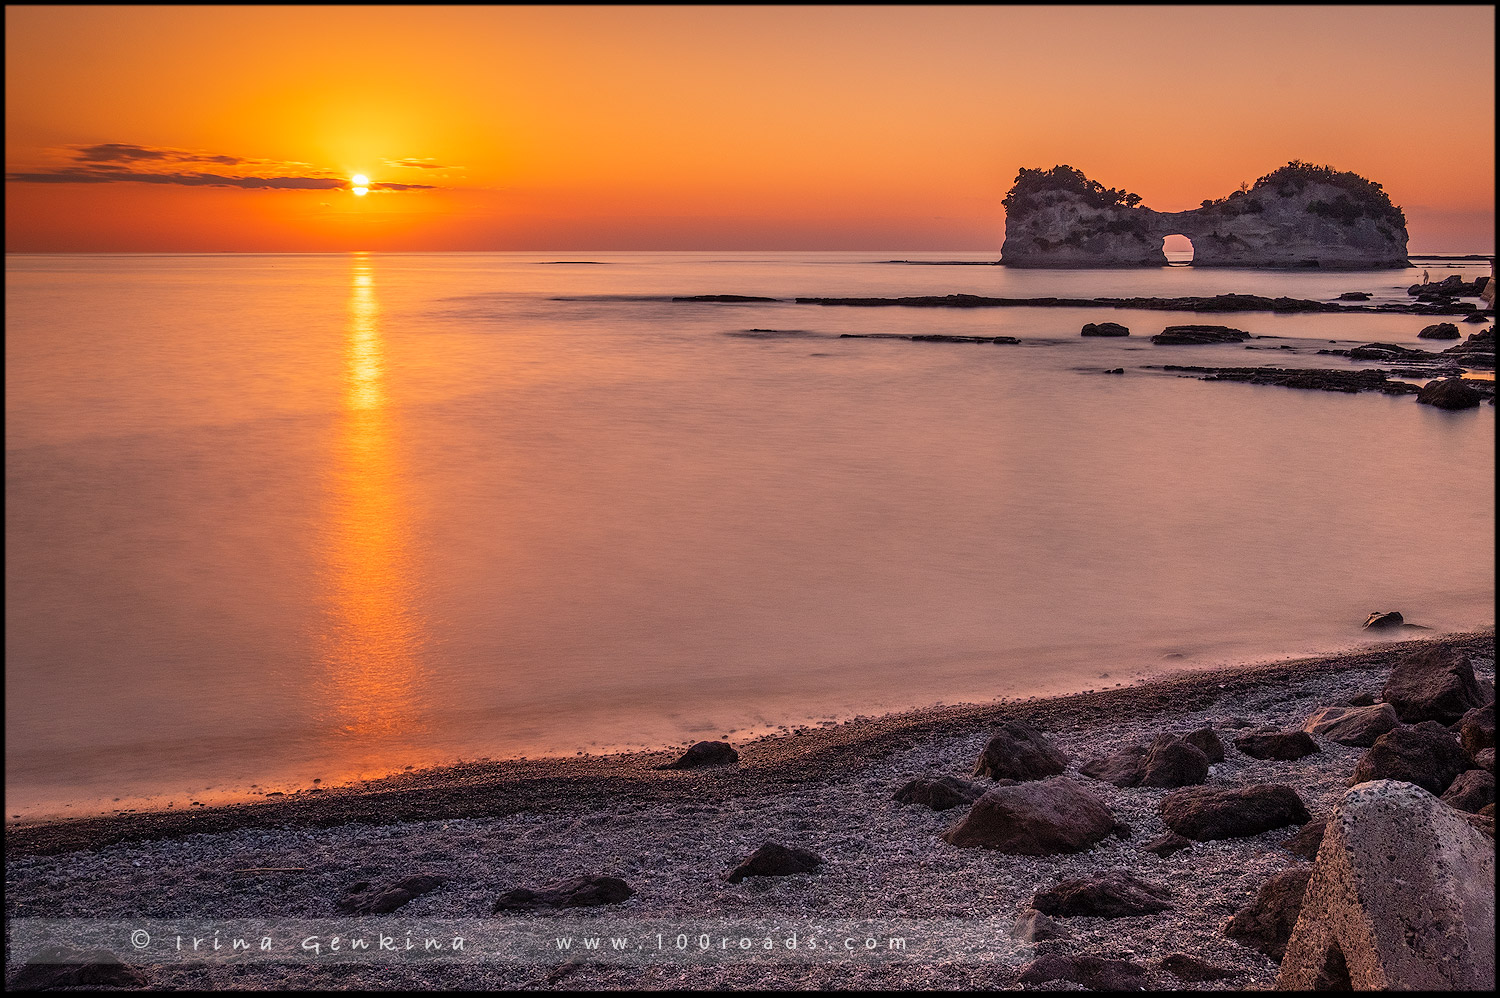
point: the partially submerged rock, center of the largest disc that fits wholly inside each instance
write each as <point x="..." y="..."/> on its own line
<point x="1433" y="685"/>
<point x="1425" y="754"/>
<point x="1019" y="752"/>
<point x="1104" y="329"/>
<point x="1310" y="378"/>
<point x="362" y="899"/>
<point x="1204" y="813"/>
<point x="1357" y="726"/>
<point x="1450" y="393"/>
<point x="1266" y="923"/>
<point x="1402" y="898"/>
<point x="575" y="892"/>
<point x="1380" y="621"/>
<point x="705" y="754"/>
<point x="1281" y="745"/>
<point x="1199" y="334"/>
<point x="1096" y="973"/>
<point x="775" y="860"/>
<point x="1035" y="819"/>
<point x="1439" y="331"/>
<point x="939" y="793"/>
<point x="1115" y="894"/>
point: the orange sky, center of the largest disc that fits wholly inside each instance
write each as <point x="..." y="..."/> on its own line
<point x="580" y="128"/>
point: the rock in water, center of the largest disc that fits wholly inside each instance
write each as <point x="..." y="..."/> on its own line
<point x="1034" y="819"/>
<point x="1019" y="752"/>
<point x="1425" y="754"/>
<point x="705" y="754"/>
<point x="939" y="793"/>
<point x="1104" y="329"/>
<point x="1093" y="972"/>
<point x="1282" y="745"/>
<point x="1199" y="334"/>
<point x="1433" y="685"/>
<point x="1204" y="813"/>
<point x="1379" y="621"/>
<point x="773" y="860"/>
<point x="575" y="892"/>
<point x="1357" y="726"/>
<point x="361" y="900"/>
<point x="1267" y="922"/>
<point x="1439" y="331"/>
<point x="1450" y="393"/>
<point x="1115" y="894"/>
<point x="1402" y="898"/>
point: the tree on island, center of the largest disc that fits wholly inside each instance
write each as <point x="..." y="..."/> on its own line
<point x="1035" y="188"/>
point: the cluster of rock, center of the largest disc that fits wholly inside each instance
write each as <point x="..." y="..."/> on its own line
<point x="1317" y="379"/>
<point x="1452" y="286"/>
<point x="1296" y="216"/>
<point x="1422" y="803"/>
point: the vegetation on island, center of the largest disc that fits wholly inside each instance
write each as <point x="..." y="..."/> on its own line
<point x="1358" y="197"/>
<point x="1040" y="188"/>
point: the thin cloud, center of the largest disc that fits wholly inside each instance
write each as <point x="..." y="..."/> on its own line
<point x="124" y="162"/>
<point x="420" y="164"/>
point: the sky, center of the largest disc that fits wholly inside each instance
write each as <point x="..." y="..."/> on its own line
<point x="228" y="129"/>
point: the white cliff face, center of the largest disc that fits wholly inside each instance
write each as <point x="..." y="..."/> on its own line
<point x="1314" y="225"/>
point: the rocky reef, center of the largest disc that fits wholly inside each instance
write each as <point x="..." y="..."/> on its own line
<point x="1299" y="215"/>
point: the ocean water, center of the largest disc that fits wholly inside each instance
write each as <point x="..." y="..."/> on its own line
<point x="273" y="519"/>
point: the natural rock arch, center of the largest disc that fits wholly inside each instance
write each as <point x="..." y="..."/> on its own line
<point x="1297" y="216"/>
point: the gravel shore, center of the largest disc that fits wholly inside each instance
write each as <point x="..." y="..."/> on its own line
<point x="673" y="835"/>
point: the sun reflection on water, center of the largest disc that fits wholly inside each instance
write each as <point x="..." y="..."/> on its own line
<point x="374" y="670"/>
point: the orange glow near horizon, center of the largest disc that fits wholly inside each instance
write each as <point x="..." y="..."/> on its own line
<point x="511" y="128"/>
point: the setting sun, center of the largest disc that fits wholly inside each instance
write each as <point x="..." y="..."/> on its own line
<point x="361" y="184"/>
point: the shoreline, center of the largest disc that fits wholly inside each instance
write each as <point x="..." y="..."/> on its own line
<point x="508" y="787"/>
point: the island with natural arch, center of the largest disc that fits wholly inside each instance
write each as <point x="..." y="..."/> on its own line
<point x="1299" y="215"/>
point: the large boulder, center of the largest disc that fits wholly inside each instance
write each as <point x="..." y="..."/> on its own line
<point x="1282" y="745"/>
<point x="1115" y="894"/>
<point x="1173" y="762"/>
<point x="1096" y="973"/>
<point x="775" y="860"/>
<point x="1433" y="685"/>
<point x="1476" y="729"/>
<point x="939" y="793"/>
<point x="1357" y="726"/>
<point x="1266" y="923"/>
<point x="1402" y="898"/>
<point x="1206" y="742"/>
<point x="1104" y="329"/>
<point x="1204" y="813"/>
<point x="1019" y="752"/>
<point x="1439" y="331"/>
<point x="1450" y="393"/>
<point x="1425" y="754"/>
<point x="575" y="892"/>
<point x="1034" y="819"/>
<point x="1472" y="791"/>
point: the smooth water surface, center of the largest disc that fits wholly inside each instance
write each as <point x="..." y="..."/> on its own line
<point x="272" y="518"/>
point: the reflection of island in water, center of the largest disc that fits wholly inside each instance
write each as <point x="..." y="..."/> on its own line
<point x="371" y="647"/>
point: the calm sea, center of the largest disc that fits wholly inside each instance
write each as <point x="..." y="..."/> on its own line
<point x="273" y="519"/>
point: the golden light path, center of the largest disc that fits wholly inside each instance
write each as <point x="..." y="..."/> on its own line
<point x="371" y="651"/>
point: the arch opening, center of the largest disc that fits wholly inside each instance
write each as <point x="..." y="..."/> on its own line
<point x="1178" y="250"/>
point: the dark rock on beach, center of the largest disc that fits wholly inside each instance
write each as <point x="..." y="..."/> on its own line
<point x="575" y="892"/>
<point x="1433" y="685"/>
<point x="1476" y="729"/>
<point x="1471" y="791"/>
<point x="705" y="754"/>
<point x="773" y="860"/>
<point x="1284" y="746"/>
<point x="1104" y="329"/>
<point x="1173" y="762"/>
<point x="1357" y="726"/>
<point x="1450" y="393"/>
<point x="66" y="967"/>
<point x="362" y="900"/>
<point x="1122" y="768"/>
<point x="1187" y="968"/>
<point x="1439" y="331"/>
<point x="1425" y="754"/>
<point x="1197" y="334"/>
<point x="1266" y="923"/>
<point x="1093" y="972"/>
<point x="1035" y="819"/>
<point x="1207" y="742"/>
<point x="1306" y="842"/>
<point x="1115" y="894"/>
<point x="1033" y="927"/>
<point x="1019" y="752"/>
<point x="1204" y="813"/>
<point x="1380" y="621"/>
<point x="1166" y="844"/>
<point x="939" y="793"/>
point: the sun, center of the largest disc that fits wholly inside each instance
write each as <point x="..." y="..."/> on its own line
<point x="361" y="184"/>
